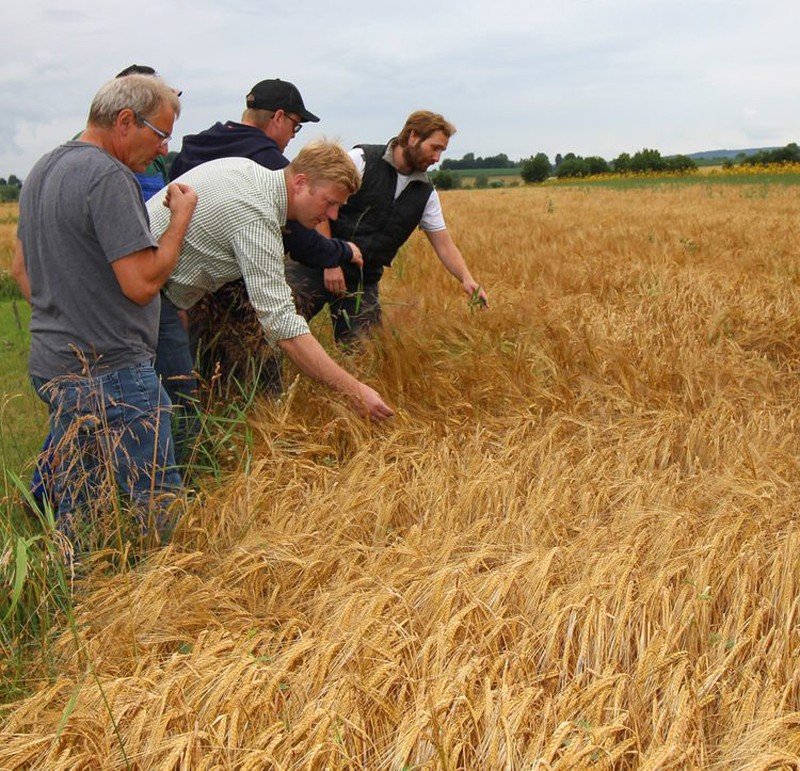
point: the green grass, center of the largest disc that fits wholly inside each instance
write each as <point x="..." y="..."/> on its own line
<point x="633" y="182"/>
<point x="36" y="590"/>
<point x="33" y="588"/>
<point x="40" y="584"/>
<point x="8" y="287"/>
<point x="472" y="173"/>
<point x="23" y="417"/>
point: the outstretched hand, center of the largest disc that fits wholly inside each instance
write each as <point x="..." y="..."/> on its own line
<point x="477" y="294"/>
<point x="368" y="403"/>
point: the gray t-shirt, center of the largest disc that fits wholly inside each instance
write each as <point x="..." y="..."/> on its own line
<point x="80" y="209"/>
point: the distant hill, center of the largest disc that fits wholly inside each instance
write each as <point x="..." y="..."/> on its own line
<point x="707" y="155"/>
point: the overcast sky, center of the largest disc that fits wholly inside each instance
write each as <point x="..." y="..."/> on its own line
<point x="595" y="77"/>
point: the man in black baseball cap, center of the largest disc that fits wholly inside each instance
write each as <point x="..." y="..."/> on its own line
<point x="274" y="113"/>
<point x="279" y="94"/>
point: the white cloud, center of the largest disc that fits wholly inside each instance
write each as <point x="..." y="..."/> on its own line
<point x="591" y="76"/>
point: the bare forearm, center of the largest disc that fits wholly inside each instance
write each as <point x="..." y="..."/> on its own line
<point x="311" y="359"/>
<point x="455" y="263"/>
<point x="450" y="256"/>
<point x="142" y="274"/>
<point x="157" y="270"/>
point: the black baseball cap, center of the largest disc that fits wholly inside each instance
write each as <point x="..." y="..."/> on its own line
<point x="279" y="95"/>
<point x="142" y="69"/>
<point x="136" y="69"/>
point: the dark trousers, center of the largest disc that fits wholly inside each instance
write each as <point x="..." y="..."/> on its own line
<point x="175" y="366"/>
<point x="352" y="314"/>
<point x="232" y="353"/>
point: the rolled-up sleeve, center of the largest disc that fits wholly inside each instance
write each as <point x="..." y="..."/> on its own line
<point x="259" y="251"/>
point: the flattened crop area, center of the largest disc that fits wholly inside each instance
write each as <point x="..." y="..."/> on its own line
<point x="576" y="544"/>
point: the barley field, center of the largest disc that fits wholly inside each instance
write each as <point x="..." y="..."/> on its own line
<point x="8" y="232"/>
<point x="576" y="545"/>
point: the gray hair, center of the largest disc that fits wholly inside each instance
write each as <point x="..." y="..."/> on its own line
<point x="258" y="118"/>
<point x="144" y="94"/>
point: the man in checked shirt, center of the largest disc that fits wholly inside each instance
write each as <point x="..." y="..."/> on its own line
<point x="236" y="232"/>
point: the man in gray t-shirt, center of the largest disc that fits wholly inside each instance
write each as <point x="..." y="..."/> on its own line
<point x="86" y="261"/>
<point x="95" y="215"/>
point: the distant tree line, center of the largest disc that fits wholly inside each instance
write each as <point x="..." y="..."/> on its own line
<point x="469" y="161"/>
<point x="9" y="188"/>
<point x="445" y="180"/>
<point x="538" y="168"/>
<point x="788" y="154"/>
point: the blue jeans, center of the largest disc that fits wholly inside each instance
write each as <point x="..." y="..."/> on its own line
<point x="175" y="366"/>
<point x="106" y="432"/>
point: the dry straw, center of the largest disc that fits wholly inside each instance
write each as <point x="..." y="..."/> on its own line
<point x="575" y="546"/>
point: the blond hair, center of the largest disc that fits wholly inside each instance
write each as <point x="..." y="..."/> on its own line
<point x="143" y="94"/>
<point x="324" y="161"/>
<point x="424" y="123"/>
<point x="256" y="117"/>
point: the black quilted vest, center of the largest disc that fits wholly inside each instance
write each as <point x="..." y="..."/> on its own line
<point x="373" y="220"/>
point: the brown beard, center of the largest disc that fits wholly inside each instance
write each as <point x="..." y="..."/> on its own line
<point x="411" y="158"/>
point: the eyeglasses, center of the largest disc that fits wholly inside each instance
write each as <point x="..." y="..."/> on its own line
<point x="163" y="134"/>
<point x="295" y="123"/>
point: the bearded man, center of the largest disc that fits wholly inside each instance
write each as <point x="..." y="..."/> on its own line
<point x="396" y="197"/>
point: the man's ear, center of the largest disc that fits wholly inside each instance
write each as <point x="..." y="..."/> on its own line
<point x="126" y="120"/>
<point x="299" y="181"/>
